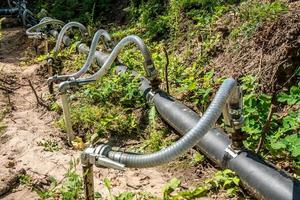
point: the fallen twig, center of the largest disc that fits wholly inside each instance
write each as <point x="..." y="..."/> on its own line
<point x="5" y="89"/>
<point x="166" y="71"/>
<point x="38" y="99"/>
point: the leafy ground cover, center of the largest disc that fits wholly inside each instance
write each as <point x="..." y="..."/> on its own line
<point x="195" y="35"/>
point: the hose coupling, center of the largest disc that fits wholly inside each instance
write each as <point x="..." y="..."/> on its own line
<point x="234" y="120"/>
<point x="230" y="153"/>
<point x="38" y="35"/>
<point x="98" y="156"/>
<point x="237" y="119"/>
<point x="50" y="61"/>
<point x="155" y="83"/>
<point x="109" y="45"/>
<point x="57" y="79"/>
<point x="77" y="45"/>
<point x="68" y="84"/>
<point x="152" y="75"/>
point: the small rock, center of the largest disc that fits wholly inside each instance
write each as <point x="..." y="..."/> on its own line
<point x="10" y="164"/>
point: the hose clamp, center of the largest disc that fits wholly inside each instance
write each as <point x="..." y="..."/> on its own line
<point x="150" y="96"/>
<point x="98" y="156"/>
<point x="50" y="61"/>
<point x="230" y="153"/>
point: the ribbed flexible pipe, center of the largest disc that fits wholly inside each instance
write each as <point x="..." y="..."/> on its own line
<point x="62" y="33"/>
<point x="148" y="63"/>
<point x="8" y="11"/>
<point x="189" y="140"/>
<point x="89" y="59"/>
<point x="30" y="31"/>
<point x="45" y="19"/>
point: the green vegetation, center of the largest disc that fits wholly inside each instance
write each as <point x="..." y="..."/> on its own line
<point x="71" y="187"/>
<point x="282" y="139"/>
<point x="253" y="13"/>
<point x="192" y="32"/>
<point x="67" y="189"/>
<point x="221" y="180"/>
<point x="49" y="145"/>
<point x="26" y="180"/>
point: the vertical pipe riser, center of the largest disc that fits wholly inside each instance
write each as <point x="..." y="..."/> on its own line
<point x="88" y="181"/>
<point x="67" y="117"/>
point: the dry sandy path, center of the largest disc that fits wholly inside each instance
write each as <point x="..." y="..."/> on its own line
<point x="28" y="124"/>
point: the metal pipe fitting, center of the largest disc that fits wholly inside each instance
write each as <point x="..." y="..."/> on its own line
<point x="67" y="117"/>
<point x="92" y="156"/>
<point x="8" y="11"/>
<point x="28" y="18"/>
<point x="63" y="31"/>
<point x="233" y="120"/>
<point x="189" y="140"/>
<point x="63" y="88"/>
<point x="87" y="64"/>
<point x="33" y="33"/>
<point x="149" y="68"/>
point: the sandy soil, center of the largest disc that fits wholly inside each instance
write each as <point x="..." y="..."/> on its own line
<point x="27" y="125"/>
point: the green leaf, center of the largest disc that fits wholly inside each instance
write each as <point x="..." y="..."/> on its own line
<point x="278" y="145"/>
<point x="171" y="186"/>
<point x="231" y="191"/>
<point x="296" y="151"/>
<point x="236" y="180"/>
<point x="107" y="184"/>
<point x="227" y="182"/>
<point x="282" y="97"/>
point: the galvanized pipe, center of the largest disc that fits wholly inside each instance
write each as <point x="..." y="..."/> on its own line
<point x="67" y="117"/>
<point x="35" y="31"/>
<point x="149" y="68"/>
<point x="8" y="11"/>
<point x="63" y="31"/>
<point x="91" y="55"/>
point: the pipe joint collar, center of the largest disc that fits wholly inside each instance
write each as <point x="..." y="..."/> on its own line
<point x="98" y="156"/>
<point x="65" y="86"/>
<point x="150" y="96"/>
<point x="50" y="61"/>
<point x="57" y="79"/>
<point x="230" y="153"/>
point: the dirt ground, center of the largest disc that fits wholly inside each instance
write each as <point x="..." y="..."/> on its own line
<point x="271" y="54"/>
<point x="27" y="124"/>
